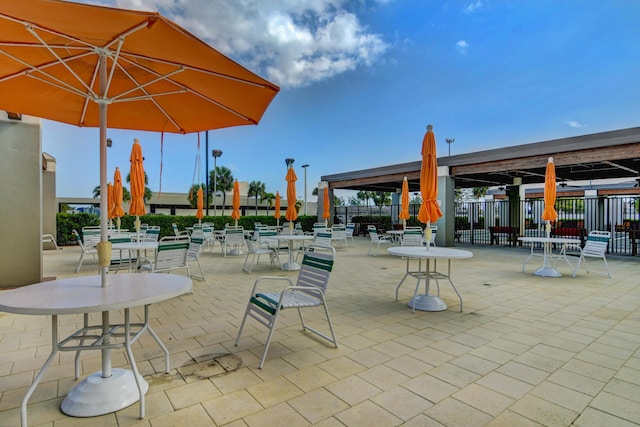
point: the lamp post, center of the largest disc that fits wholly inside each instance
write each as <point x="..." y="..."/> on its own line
<point x="305" y="188"/>
<point x="215" y="154"/>
<point x="449" y="142"/>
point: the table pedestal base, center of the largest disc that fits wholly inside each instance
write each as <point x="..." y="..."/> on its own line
<point x="427" y="303"/>
<point x="96" y="396"/>
<point x="290" y="266"/>
<point x="547" y="272"/>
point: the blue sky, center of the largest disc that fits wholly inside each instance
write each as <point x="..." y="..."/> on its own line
<point x="361" y="79"/>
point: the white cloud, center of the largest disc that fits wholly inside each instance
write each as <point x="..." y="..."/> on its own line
<point x="462" y="47"/>
<point x="290" y="42"/>
<point x="472" y="7"/>
<point x="575" y="124"/>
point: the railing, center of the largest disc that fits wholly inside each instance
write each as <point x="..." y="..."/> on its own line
<point x="620" y="215"/>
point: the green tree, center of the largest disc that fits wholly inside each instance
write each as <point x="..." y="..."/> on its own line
<point x="354" y="201"/>
<point x="192" y="196"/>
<point x="126" y="195"/>
<point x="365" y="196"/>
<point x="223" y="184"/>
<point x="381" y="198"/>
<point x="479" y="192"/>
<point x="315" y="192"/>
<point x="256" y="189"/>
<point x="270" y="198"/>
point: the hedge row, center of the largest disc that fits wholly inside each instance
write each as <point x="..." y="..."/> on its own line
<point x="68" y="222"/>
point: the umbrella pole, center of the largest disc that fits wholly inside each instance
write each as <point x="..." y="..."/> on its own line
<point x="427" y="235"/>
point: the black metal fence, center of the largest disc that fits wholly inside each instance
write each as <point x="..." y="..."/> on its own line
<point x="474" y="220"/>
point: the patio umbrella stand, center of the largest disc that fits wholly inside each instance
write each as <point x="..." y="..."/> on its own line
<point x="549" y="214"/>
<point x="429" y="212"/>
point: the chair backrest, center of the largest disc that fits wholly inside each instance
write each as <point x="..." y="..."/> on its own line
<point x="195" y="244"/>
<point x="339" y="231"/>
<point x="175" y="229"/>
<point x="597" y="243"/>
<point x="412" y="237"/>
<point x="234" y="235"/>
<point x="171" y="252"/>
<point x="316" y="267"/>
<point x="434" y="231"/>
<point x="76" y="235"/>
<point x="91" y="236"/>
<point x="349" y="229"/>
<point x="319" y="227"/>
<point x="119" y="239"/>
<point x="151" y="234"/>
<point x="323" y="238"/>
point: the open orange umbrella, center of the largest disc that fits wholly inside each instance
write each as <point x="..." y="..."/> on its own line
<point x="291" y="214"/>
<point x="235" y="214"/>
<point x="549" y="214"/>
<point x="429" y="209"/>
<point x="404" y="211"/>
<point x="200" y="202"/>
<point x="136" y="180"/>
<point x="277" y="213"/>
<point x="326" y="211"/>
<point x="117" y="211"/>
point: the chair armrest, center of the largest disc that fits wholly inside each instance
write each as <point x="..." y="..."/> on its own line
<point x="269" y="278"/>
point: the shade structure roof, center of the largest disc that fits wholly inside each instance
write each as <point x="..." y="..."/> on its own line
<point x="604" y="155"/>
<point x="51" y="51"/>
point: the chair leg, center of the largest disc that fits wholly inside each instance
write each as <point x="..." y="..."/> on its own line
<point x="80" y="262"/>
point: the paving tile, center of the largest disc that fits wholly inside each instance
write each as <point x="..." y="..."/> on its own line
<point x="281" y="414"/>
<point x="452" y="412"/>
<point x="623" y="408"/>
<point x="430" y="388"/>
<point x="523" y="372"/>
<point x="577" y="382"/>
<point x="317" y="405"/>
<point x="562" y="396"/>
<point x="310" y="378"/>
<point x="353" y="390"/>
<point x="190" y="394"/>
<point x="275" y="391"/>
<point x="506" y="385"/>
<point x="543" y="412"/>
<point x="367" y="413"/>
<point x="594" y="418"/>
<point x="454" y="375"/>
<point x="484" y="399"/>
<point x="401" y="402"/>
<point x="512" y="419"/>
<point x="230" y="407"/>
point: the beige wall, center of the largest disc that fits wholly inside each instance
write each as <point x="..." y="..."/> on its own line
<point x="20" y="202"/>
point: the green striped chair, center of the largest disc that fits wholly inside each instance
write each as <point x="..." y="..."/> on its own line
<point x="595" y="247"/>
<point x="309" y="291"/>
<point x="170" y="255"/>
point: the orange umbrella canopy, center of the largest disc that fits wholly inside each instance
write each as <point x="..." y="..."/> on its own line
<point x="404" y="211"/>
<point x="291" y="214"/>
<point x="429" y="210"/>
<point x="326" y="214"/>
<point x="110" y="199"/>
<point x="235" y="214"/>
<point x="166" y="79"/>
<point x="117" y="211"/>
<point x="277" y="213"/>
<point x="200" y="202"/>
<point x="549" y="213"/>
<point x="136" y="180"/>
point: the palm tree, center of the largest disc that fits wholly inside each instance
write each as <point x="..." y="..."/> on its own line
<point x="365" y="195"/>
<point x="193" y="195"/>
<point x="270" y="198"/>
<point x="224" y="182"/>
<point x="148" y="194"/>
<point x="126" y="195"/>
<point x="256" y="189"/>
<point x="381" y="198"/>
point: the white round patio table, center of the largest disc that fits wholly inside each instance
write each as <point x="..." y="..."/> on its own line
<point x="547" y="269"/>
<point x="427" y="301"/>
<point x="291" y="265"/>
<point x="110" y="389"/>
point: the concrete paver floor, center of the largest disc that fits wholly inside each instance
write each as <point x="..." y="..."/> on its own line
<point x="526" y="351"/>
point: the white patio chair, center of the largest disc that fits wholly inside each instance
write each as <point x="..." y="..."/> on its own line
<point x="177" y="232"/>
<point x="266" y="304"/>
<point x="377" y="240"/>
<point x="349" y="230"/>
<point x="170" y="255"/>
<point x="595" y="247"/>
<point x="339" y="235"/>
<point x="196" y="244"/>
<point x="86" y="249"/>
<point x="255" y="248"/>
<point x="48" y="238"/>
<point x="120" y="259"/>
<point x="412" y="237"/>
<point x="434" y="231"/>
<point x="233" y="241"/>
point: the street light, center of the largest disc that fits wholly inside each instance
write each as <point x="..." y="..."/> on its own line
<point x="449" y="142"/>
<point x="215" y="154"/>
<point x="305" y="188"/>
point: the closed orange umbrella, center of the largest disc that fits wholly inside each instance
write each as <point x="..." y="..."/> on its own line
<point x="117" y="211"/>
<point x="404" y="212"/>
<point x="291" y="214"/>
<point x="549" y="214"/>
<point x="236" y="202"/>
<point x="429" y="209"/>
<point x="110" y="200"/>
<point x="136" y="180"/>
<point x="326" y="213"/>
<point x="200" y="201"/>
<point x="277" y="213"/>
